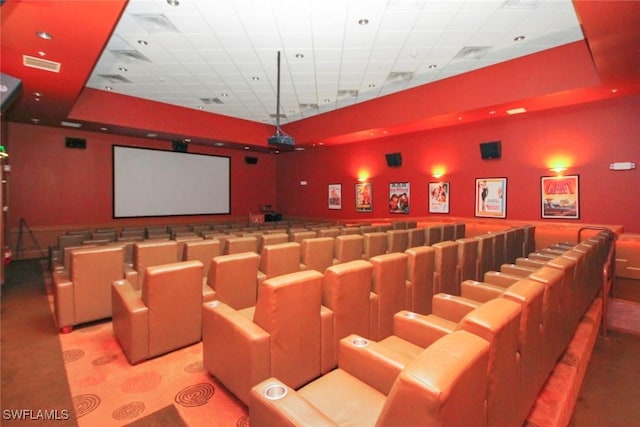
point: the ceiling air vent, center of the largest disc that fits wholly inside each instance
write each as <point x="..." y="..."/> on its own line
<point x="472" y="52"/>
<point x="399" y="76"/>
<point x="347" y="93"/>
<point x="209" y="101"/>
<point x="40" y="64"/>
<point x="129" y="55"/>
<point x="155" y="23"/>
<point x="304" y="107"/>
<point x="114" y="78"/>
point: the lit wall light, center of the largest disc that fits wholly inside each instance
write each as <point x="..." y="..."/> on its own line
<point x="438" y="172"/>
<point x="363" y="176"/>
<point x="558" y="170"/>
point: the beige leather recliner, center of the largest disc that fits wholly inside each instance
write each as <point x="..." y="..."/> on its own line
<point x="82" y="293"/>
<point x="166" y="314"/>
<point x="316" y="253"/>
<point x="443" y="386"/>
<point x="235" y="278"/>
<point x="280" y="336"/>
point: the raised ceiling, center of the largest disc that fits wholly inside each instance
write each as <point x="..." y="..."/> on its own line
<point x="338" y="56"/>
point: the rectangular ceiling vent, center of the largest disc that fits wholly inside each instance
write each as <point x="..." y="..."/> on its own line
<point x="114" y="78"/>
<point x="399" y="76"/>
<point x="155" y="23"/>
<point x="472" y="52"/>
<point x="209" y="101"/>
<point x="347" y="94"/>
<point x="304" y="107"/>
<point x="41" y="64"/>
<point x="129" y="55"/>
<point x="274" y="115"/>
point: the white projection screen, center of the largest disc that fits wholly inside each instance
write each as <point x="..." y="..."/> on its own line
<point x="149" y="182"/>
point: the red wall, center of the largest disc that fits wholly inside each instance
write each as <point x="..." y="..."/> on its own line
<point x="51" y="185"/>
<point x="588" y="137"/>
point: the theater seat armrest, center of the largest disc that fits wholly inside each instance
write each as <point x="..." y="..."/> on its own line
<point x="327" y="346"/>
<point x="480" y="291"/>
<point x="261" y="277"/>
<point x="63" y="299"/>
<point x="370" y="362"/>
<point x="130" y="320"/>
<point x="131" y="275"/>
<point x="452" y="307"/>
<point x="268" y="408"/>
<point x="419" y="329"/>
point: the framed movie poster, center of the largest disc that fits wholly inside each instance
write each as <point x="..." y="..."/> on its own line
<point x="399" y="197"/>
<point x="363" y="197"/>
<point x="439" y="197"/>
<point x="335" y="196"/>
<point x="560" y="197"/>
<point x="491" y="197"/>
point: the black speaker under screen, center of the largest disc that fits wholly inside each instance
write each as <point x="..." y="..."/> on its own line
<point x="251" y="160"/>
<point x="179" y="146"/>
<point x="394" y="160"/>
<point x="490" y="150"/>
<point x="75" y="143"/>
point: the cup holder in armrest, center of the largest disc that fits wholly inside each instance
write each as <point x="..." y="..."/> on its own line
<point x="213" y="304"/>
<point x="360" y="342"/>
<point x="275" y="391"/>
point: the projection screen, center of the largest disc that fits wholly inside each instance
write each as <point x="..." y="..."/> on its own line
<point x="149" y="182"/>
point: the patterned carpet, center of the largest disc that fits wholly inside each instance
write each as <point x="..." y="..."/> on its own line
<point x="108" y="391"/>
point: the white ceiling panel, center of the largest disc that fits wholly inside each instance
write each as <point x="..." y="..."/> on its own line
<point x="205" y="49"/>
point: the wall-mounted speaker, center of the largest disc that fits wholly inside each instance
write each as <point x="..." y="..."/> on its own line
<point x="490" y="150"/>
<point x="394" y="160"/>
<point x="75" y="143"/>
<point x="250" y="160"/>
<point x="179" y="146"/>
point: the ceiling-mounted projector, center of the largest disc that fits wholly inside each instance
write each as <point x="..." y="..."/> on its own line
<point x="279" y="138"/>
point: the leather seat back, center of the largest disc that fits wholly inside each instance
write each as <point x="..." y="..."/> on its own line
<point x="288" y="308"/>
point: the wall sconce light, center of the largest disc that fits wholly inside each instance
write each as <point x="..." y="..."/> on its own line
<point x="559" y="170"/>
<point x="438" y="172"/>
<point x="622" y="166"/>
<point x="363" y="176"/>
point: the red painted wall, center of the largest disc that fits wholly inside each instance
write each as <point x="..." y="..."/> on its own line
<point x="51" y="185"/>
<point x="587" y="137"/>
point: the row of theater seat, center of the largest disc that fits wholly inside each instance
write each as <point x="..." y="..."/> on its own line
<point x="450" y="262"/>
<point x="394" y="380"/>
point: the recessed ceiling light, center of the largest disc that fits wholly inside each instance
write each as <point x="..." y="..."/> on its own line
<point x="124" y="70"/>
<point x="44" y="35"/>
<point x="363" y="21"/>
<point x="246" y="148"/>
<point x="224" y="95"/>
<point x="372" y="85"/>
<point x="299" y="55"/>
<point x="327" y="100"/>
<point x="255" y="78"/>
<point x="143" y="42"/>
<point x="432" y="66"/>
<point x="518" y="39"/>
<point x="218" y="144"/>
<point x="103" y="129"/>
<point x="519" y="110"/>
<point x="108" y="88"/>
<point x="173" y="2"/>
<point x="152" y="135"/>
<point x="71" y="124"/>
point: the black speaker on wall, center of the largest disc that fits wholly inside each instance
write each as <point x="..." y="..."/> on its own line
<point x="394" y="160"/>
<point x="75" y="143"/>
<point x="490" y="150"/>
<point x="251" y="160"/>
<point x="179" y="146"/>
